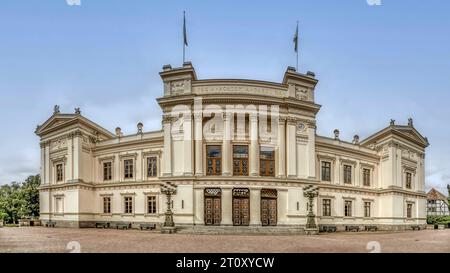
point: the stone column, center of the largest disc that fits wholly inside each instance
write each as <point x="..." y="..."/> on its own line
<point x="227" y="207"/>
<point x="198" y="144"/>
<point x="255" y="207"/>
<point x="77" y="150"/>
<point x="311" y="150"/>
<point x="281" y="156"/>
<point x="44" y="163"/>
<point x="291" y="148"/>
<point x="226" y="145"/>
<point x="167" y="157"/>
<point x="338" y="175"/>
<point x="187" y="131"/>
<point x="199" y="218"/>
<point x="254" y="149"/>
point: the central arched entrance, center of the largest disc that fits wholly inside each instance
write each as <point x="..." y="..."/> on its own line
<point x="241" y="207"/>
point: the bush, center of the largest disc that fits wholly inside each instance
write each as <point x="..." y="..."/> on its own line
<point x="438" y="220"/>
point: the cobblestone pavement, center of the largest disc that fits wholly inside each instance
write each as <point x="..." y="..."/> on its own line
<point x="39" y="239"/>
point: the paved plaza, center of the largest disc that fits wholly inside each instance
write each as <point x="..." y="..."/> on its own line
<point x="40" y="239"/>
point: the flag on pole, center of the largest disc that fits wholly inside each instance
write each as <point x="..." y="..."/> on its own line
<point x="296" y="39"/>
<point x="184" y="29"/>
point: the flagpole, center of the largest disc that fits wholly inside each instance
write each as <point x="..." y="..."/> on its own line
<point x="297" y="47"/>
<point x="184" y="37"/>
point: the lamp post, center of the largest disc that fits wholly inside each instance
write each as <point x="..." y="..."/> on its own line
<point x="310" y="192"/>
<point x="169" y="226"/>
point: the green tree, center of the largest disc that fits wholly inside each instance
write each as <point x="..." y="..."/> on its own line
<point x="20" y="200"/>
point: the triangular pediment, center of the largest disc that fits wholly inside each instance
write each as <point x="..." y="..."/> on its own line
<point x="406" y="132"/>
<point x="61" y="121"/>
<point x="53" y="122"/>
<point x="412" y="133"/>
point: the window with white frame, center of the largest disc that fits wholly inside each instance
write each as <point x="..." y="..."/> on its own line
<point x="326" y="207"/>
<point x="326" y="171"/>
<point x="151" y="204"/>
<point x="366" y="177"/>
<point x="59" y="172"/>
<point x="347" y="174"/>
<point x="128" y="204"/>
<point x="409" y="208"/>
<point x="408" y="180"/>
<point x="128" y="168"/>
<point x="107" y="205"/>
<point x="107" y="171"/>
<point x="152" y="166"/>
<point x="59" y="205"/>
<point x="367" y="207"/>
<point x="347" y="208"/>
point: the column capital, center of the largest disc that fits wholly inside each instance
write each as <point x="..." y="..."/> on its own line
<point x="166" y="118"/>
<point x="292" y="120"/>
<point x="198" y="116"/>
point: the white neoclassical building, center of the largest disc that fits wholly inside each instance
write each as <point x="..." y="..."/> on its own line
<point x="240" y="153"/>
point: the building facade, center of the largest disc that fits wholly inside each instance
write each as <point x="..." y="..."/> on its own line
<point x="437" y="204"/>
<point x="240" y="153"/>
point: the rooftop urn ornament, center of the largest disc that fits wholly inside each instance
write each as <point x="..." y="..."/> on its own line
<point x="310" y="192"/>
<point x="139" y="127"/>
<point x="118" y="132"/>
<point x="56" y="110"/>
<point x="168" y="189"/>
<point x="77" y="111"/>
<point x="336" y="134"/>
<point x="410" y="122"/>
<point x="392" y="123"/>
<point x="356" y="139"/>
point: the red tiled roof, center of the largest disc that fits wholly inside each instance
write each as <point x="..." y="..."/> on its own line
<point x="433" y="194"/>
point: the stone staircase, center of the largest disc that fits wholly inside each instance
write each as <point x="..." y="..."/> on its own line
<point x="241" y="230"/>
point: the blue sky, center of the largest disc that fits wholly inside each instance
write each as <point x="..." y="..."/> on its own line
<point x="374" y="63"/>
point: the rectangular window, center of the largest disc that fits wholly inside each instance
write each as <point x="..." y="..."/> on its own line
<point x="152" y="167"/>
<point x="128" y="204"/>
<point x="409" y="210"/>
<point x="348" y="209"/>
<point x="240" y="160"/>
<point x="326" y="171"/>
<point x="214" y="159"/>
<point x="408" y="180"/>
<point x="59" y="173"/>
<point x="107" y="205"/>
<point x="59" y="205"/>
<point x="366" y="209"/>
<point x="326" y="207"/>
<point x="107" y="171"/>
<point x="347" y="174"/>
<point x="128" y="168"/>
<point x="267" y="161"/>
<point x="151" y="204"/>
<point x="366" y="177"/>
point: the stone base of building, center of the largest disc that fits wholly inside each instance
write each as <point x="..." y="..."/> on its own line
<point x="230" y="230"/>
<point x="168" y="230"/>
<point x="362" y="227"/>
<point x="311" y="231"/>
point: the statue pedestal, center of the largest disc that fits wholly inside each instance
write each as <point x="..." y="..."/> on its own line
<point x="168" y="230"/>
<point x="311" y="231"/>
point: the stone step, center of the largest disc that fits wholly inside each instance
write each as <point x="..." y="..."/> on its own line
<point x="235" y="230"/>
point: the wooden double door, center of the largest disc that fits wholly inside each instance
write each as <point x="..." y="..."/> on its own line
<point x="269" y="207"/>
<point x="213" y="207"/>
<point x="241" y="207"/>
